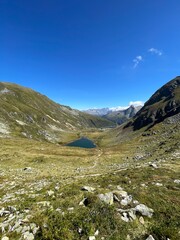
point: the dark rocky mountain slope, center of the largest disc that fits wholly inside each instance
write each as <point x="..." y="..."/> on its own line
<point x="165" y="102"/>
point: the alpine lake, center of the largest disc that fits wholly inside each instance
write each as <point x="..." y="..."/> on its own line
<point x="83" y="142"/>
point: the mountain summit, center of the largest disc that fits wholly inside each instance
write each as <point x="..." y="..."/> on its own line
<point x="117" y="115"/>
<point x="165" y="102"/>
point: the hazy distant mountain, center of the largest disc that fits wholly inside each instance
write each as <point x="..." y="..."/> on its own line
<point x="116" y="114"/>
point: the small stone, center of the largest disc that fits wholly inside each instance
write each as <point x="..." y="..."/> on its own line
<point x="88" y="189"/>
<point x="96" y="233"/>
<point x="70" y="209"/>
<point x="141" y="220"/>
<point x="50" y="193"/>
<point x="4" y="238"/>
<point x="27" y="169"/>
<point x="80" y="230"/>
<point x="177" y="181"/>
<point x="92" y="238"/>
<point x="57" y="188"/>
<point x="128" y="237"/>
<point x="28" y="236"/>
<point x="84" y="202"/>
<point x="150" y="238"/>
<point x="159" y="184"/>
<point x="153" y="165"/>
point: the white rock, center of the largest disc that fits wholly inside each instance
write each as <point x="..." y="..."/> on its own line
<point x="153" y="165"/>
<point x="96" y="233"/>
<point x="50" y="193"/>
<point x="150" y="238"/>
<point x="141" y="220"/>
<point x="92" y="238"/>
<point x="124" y="217"/>
<point x="28" y="236"/>
<point x="177" y="181"/>
<point x="126" y="200"/>
<point x="144" y="210"/>
<point x="5" y="238"/>
<point x="107" y="198"/>
<point x="159" y="184"/>
<point x="87" y="188"/>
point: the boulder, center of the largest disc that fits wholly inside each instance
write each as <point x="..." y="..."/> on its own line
<point x="144" y="210"/>
<point x="107" y="198"/>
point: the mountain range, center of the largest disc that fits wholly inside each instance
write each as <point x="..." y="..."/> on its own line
<point x="117" y="115"/>
<point x="29" y="114"/>
<point x="126" y="187"/>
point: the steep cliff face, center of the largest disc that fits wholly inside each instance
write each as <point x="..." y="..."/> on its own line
<point x="165" y="102"/>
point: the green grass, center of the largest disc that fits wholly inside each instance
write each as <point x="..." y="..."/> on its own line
<point x="65" y="170"/>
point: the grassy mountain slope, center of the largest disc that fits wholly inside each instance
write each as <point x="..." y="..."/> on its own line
<point x="41" y="185"/>
<point x="164" y="103"/>
<point x="25" y="112"/>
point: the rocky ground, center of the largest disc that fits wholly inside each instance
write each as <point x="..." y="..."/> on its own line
<point x="126" y="192"/>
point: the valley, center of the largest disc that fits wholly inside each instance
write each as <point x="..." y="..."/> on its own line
<point x="126" y="188"/>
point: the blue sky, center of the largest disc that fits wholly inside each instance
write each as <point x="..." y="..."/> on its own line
<point x="90" y="53"/>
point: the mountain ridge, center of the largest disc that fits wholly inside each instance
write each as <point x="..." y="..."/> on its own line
<point x="117" y="115"/>
<point x="25" y="112"/>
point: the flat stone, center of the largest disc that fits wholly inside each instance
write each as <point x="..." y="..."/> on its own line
<point x="144" y="210"/>
<point x="153" y="165"/>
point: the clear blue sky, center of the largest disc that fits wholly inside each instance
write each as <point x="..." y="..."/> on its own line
<point x="90" y="53"/>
